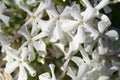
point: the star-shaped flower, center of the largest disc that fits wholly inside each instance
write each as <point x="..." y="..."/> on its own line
<point x="18" y="60"/>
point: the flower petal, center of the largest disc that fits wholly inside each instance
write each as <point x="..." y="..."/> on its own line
<point x="102" y="47"/>
<point x="102" y="4"/>
<point x="30" y="69"/>
<point x="25" y="8"/>
<point x="65" y="12"/>
<point x="89" y="14"/>
<point x="87" y="3"/>
<point x="45" y="76"/>
<point x="40" y="8"/>
<point x="69" y="25"/>
<point x="3" y="38"/>
<point x="52" y="67"/>
<point x="89" y="44"/>
<point x="83" y="68"/>
<point x="31" y="53"/>
<point x="57" y="33"/>
<point x="24" y="53"/>
<point x="80" y="36"/>
<point x="22" y="73"/>
<point x="23" y="31"/>
<point x="77" y="60"/>
<point x="2" y="6"/>
<point x="112" y="34"/>
<point x="71" y="73"/>
<point x="75" y="12"/>
<point x="5" y="19"/>
<point x="40" y="47"/>
<point x="11" y="66"/>
<point x="102" y="26"/>
<point x="94" y="32"/>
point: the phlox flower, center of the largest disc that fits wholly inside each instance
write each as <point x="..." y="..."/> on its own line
<point x="32" y="43"/>
<point x="19" y="60"/>
<point x="35" y="15"/>
<point x="46" y="75"/>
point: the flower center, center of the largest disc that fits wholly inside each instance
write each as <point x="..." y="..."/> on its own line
<point x="81" y="23"/>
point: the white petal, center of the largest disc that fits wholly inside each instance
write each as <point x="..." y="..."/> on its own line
<point x="5" y="19"/>
<point x="40" y="47"/>
<point x="105" y="18"/>
<point x="22" y="73"/>
<point x="65" y="65"/>
<point x="45" y="76"/>
<point x="52" y="13"/>
<point x="107" y="9"/>
<point x="80" y="36"/>
<point x="48" y="4"/>
<point x="94" y="32"/>
<point x="87" y="3"/>
<point x="61" y="47"/>
<point x="102" y="26"/>
<point x="71" y="73"/>
<point x="84" y="54"/>
<point x="102" y="4"/>
<point x="69" y="25"/>
<point x="89" y="14"/>
<point x="31" y="2"/>
<point x="25" y="8"/>
<point x="24" y="53"/>
<point x="34" y="27"/>
<point x="2" y="6"/>
<point x="65" y="12"/>
<point x="82" y="70"/>
<point x="30" y="69"/>
<point x="23" y="31"/>
<point x="3" y="38"/>
<point x="10" y="67"/>
<point x="52" y="67"/>
<point x="112" y="34"/>
<point x="40" y="35"/>
<point x="40" y="8"/>
<point x="31" y="53"/>
<point x="57" y="33"/>
<point x="102" y="47"/>
<point x="46" y="26"/>
<point x="77" y="60"/>
<point x="12" y="54"/>
<point x="103" y="78"/>
<point x="89" y="44"/>
<point x="75" y="12"/>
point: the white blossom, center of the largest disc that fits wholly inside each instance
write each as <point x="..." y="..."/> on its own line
<point x="19" y="61"/>
<point x="32" y="43"/>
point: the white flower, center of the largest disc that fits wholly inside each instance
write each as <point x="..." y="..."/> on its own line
<point x="103" y="44"/>
<point x="3" y="17"/>
<point x="33" y="43"/>
<point x="19" y="60"/>
<point x="82" y="69"/>
<point x="46" y="76"/>
<point x="36" y="15"/>
<point x="103" y="38"/>
<point x="53" y="28"/>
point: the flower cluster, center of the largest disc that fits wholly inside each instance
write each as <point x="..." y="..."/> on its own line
<point x="79" y="35"/>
